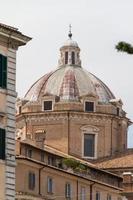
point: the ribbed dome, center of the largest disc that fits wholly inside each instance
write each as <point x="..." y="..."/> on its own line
<point x="69" y="83"/>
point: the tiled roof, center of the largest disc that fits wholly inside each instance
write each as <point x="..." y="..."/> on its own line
<point x="125" y="161"/>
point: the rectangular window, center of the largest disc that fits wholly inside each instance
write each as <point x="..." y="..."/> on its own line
<point x="97" y="195"/>
<point x="47" y="105"/>
<point x="109" y="197"/>
<point x="89" y="145"/>
<point x="42" y="156"/>
<point x="3" y="71"/>
<point x="66" y="57"/>
<point x="89" y="106"/>
<point x="31" y="181"/>
<point x="68" y="190"/>
<point x="50" y="185"/>
<point x="29" y="153"/>
<point x="2" y="143"/>
<point x="82" y="193"/>
<point x="51" y="160"/>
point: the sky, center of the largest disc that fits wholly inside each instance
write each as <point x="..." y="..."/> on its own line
<point x="97" y="26"/>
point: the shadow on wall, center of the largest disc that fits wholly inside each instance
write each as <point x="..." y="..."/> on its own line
<point x="130" y="137"/>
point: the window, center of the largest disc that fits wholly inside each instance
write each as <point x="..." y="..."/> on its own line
<point x="50" y="185"/>
<point x="109" y="197"/>
<point x="2" y="143"/>
<point x="82" y="193"/>
<point x="29" y="153"/>
<point x="66" y="57"/>
<point x="31" y="181"/>
<point x="89" y="145"/>
<point x="118" y="111"/>
<point x="51" y="160"/>
<point x="47" y="105"/>
<point x="97" y="195"/>
<point x="68" y="190"/>
<point x="42" y="156"/>
<point x="89" y="106"/>
<point x="73" y="57"/>
<point x="3" y="71"/>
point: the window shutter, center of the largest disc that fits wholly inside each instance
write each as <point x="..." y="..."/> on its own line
<point x="3" y="71"/>
<point x="2" y="144"/>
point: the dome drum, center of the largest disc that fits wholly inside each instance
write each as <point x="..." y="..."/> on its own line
<point x="86" y="104"/>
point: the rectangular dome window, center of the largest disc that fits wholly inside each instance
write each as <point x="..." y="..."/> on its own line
<point x="47" y="105"/>
<point x="89" y="106"/>
<point x="89" y="145"/>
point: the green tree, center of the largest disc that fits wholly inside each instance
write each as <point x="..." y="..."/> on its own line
<point x="124" y="47"/>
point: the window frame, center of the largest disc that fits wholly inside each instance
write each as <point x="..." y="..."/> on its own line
<point x="68" y="190"/>
<point x="99" y="195"/>
<point x="95" y="145"/>
<point x="43" y="105"/>
<point x="42" y="156"/>
<point x="109" y="197"/>
<point x="82" y="194"/>
<point x="94" y="106"/>
<point x="31" y="181"/>
<point x="50" y="187"/>
<point x="29" y="152"/>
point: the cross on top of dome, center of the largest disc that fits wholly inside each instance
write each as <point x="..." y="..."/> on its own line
<point x="70" y="33"/>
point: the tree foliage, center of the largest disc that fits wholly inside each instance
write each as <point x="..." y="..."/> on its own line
<point x="124" y="47"/>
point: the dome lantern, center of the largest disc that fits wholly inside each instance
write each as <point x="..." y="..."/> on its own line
<point x="70" y="52"/>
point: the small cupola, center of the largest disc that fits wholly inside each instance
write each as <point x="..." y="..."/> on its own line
<point x="70" y="52"/>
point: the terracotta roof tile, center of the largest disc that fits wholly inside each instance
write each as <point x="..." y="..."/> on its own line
<point x="125" y="161"/>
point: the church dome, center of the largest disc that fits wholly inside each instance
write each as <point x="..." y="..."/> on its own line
<point x="69" y="81"/>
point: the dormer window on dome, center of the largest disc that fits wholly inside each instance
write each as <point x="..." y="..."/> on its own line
<point x="47" y="105"/>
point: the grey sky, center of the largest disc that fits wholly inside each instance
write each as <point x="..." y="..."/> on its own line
<point x="97" y="25"/>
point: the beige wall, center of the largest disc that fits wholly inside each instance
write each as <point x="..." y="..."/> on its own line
<point x="60" y="178"/>
<point x="2" y="180"/>
<point x="64" y="131"/>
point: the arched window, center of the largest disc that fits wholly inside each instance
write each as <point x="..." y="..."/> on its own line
<point x="73" y="57"/>
<point x="66" y="57"/>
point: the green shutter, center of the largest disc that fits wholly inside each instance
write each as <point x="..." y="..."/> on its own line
<point x="2" y="144"/>
<point x="3" y="71"/>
